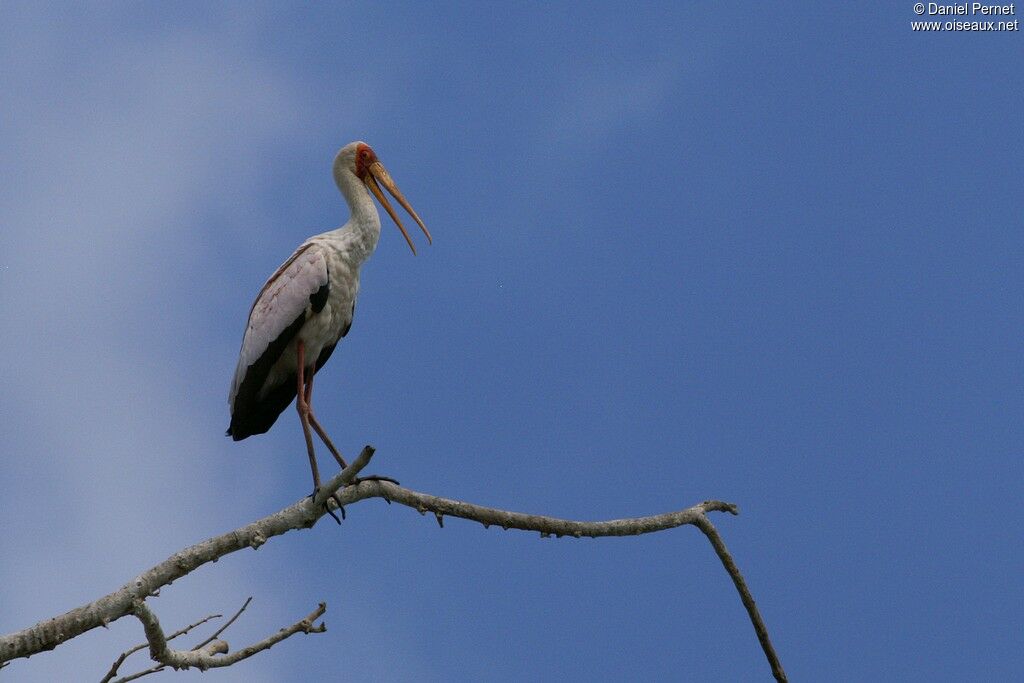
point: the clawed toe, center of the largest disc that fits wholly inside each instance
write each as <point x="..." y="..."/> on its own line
<point x="334" y="497"/>
<point x="376" y="477"/>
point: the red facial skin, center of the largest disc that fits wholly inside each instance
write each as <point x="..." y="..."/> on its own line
<point x="364" y="157"/>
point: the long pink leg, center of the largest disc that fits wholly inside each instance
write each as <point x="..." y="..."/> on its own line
<point x="318" y="428"/>
<point x="302" y="405"/>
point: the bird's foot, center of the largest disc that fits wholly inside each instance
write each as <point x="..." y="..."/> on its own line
<point x="334" y="497"/>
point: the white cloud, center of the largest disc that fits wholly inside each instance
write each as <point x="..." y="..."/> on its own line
<point x="108" y="147"/>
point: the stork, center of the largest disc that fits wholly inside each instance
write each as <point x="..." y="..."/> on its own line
<point x="306" y="307"/>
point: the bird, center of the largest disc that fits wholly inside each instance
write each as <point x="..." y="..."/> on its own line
<point x="307" y="305"/>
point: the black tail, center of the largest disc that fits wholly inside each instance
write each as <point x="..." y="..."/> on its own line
<point x="258" y="416"/>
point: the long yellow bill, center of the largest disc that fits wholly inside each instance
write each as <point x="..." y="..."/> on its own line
<point x="378" y="173"/>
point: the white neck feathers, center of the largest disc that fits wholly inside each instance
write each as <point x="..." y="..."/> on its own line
<point x="360" y="235"/>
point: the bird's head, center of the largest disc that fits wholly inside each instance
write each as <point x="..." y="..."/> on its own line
<point x="359" y="160"/>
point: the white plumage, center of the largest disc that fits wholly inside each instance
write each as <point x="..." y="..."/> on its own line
<point x="306" y="306"/>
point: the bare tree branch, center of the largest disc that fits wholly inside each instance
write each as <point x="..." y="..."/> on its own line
<point x="547" y="526"/>
<point x="705" y="525"/>
<point x="303" y="514"/>
<point x="343" y="489"/>
<point x="215" y="653"/>
<point x="345" y="477"/>
<point x="180" y="632"/>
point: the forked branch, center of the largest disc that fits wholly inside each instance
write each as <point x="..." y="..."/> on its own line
<point x="215" y="652"/>
<point x="127" y="653"/>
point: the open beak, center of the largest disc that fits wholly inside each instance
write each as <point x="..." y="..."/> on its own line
<point x="376" y="174"/>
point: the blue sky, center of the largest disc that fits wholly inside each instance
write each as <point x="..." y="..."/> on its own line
<point x="768" y="254"/>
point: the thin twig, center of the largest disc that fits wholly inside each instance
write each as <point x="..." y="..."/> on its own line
<point x="139" y="674"/>
<point x="225" y="626"/>
<point x="705" y="525"/>
<point x="118" y="662"/>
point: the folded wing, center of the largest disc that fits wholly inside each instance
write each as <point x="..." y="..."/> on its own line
<point x="298" y="290"/>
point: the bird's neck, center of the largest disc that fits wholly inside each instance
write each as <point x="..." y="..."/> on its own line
<point x="362" y="232"/>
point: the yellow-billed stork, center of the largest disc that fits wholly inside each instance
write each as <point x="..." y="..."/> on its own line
<point x="307" y="305"/>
